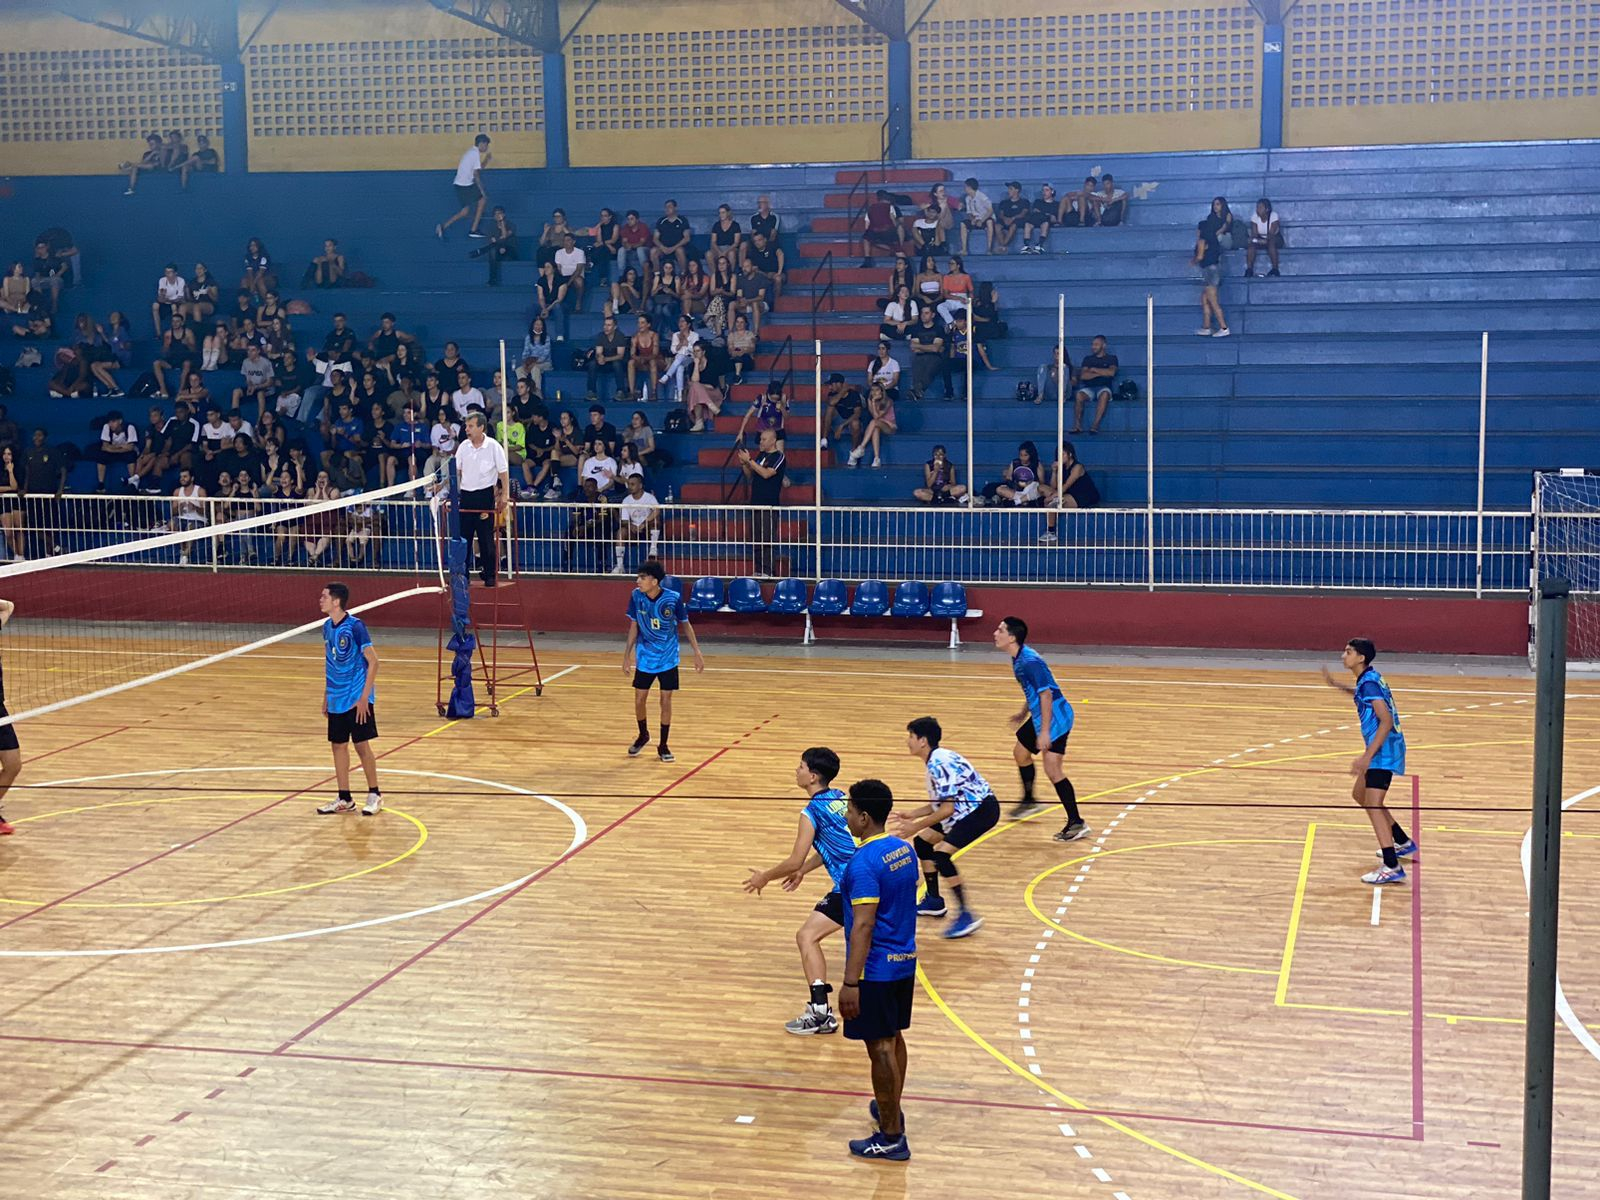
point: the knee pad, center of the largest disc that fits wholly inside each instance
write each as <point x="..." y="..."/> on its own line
<point x="944" y="864"/>
<point x="925" y="850"/>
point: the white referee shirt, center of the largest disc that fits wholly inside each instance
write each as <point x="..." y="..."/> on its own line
<point x="480" y="467"/>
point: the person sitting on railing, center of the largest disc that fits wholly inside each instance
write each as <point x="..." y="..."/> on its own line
<point x="1010" y="216"/>
<point x="882" y="227"/>
<point x="939" y="484"/>
<point x="701" y="395"/>
<point x="750" y="295"/>
<point x="768" y="259"/>
<point x="741" y="349"/>
<point x="1080" y="490"/>
<point x="898" y="316"/>
<point x="883" y="368"/>
<point x="1020" y="481"/>
<point x="1097" y="375"/>
<point x="880" y="423"/>
<point x="1042" y="214"/>
<point x="841" y="413"/>
<point x="927" y="353"/>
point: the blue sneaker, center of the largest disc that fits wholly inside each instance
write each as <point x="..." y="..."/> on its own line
<point x="965" y="925"/>
<point x="932" y="906"/>
<point x="880" y="1145"/>
<point x="1403" y="849"/>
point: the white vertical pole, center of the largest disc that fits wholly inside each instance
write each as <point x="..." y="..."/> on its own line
<point x="1483" y="432"/>
<point x="511" y="508"/>
<point x="1061" y="393"/>
<point x="817" y="472"/>
<point x="1150" y="437"/>
<point x="971" y="353"/>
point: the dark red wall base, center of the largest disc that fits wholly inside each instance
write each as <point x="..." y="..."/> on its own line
<point x="1057" y="616"/>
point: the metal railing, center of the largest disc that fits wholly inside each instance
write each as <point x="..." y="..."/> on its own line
<point x="1295" y="549"/>
<point x="853" y="215"/>
<point x="884" y="138"/>
<point x="825" y="294"/>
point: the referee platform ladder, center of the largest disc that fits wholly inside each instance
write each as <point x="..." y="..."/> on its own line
<point x="506" y="660"/>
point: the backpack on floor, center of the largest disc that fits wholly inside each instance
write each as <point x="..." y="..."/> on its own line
<point x="1027" y="392"/>
<point x="678" y="421"/>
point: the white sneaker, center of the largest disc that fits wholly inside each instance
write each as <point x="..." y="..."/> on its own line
<point x="1206" y="332"/>
<point x="855" y="457"/>
<point x="698" y="427"/>
<point x="1223" y="332"/>
<point x="876" y="461"/>
<point x="1384" y="875"/>
<point x="824" y="443"/>
<point x="183" y="560"/>
<point x="1048" y="538"/>
<point x="374" y="804"/>
<point x="553" y="493"/>
<point x="617" y="570"/>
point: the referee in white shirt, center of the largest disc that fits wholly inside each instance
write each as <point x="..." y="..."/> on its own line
<point x="485" y="482"/>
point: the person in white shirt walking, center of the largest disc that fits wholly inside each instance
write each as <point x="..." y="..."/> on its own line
<point x="469" y="187"/>
<point x="485" y="481"/>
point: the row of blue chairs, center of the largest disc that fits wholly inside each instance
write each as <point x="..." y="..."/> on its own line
<point x="830" y="598"/>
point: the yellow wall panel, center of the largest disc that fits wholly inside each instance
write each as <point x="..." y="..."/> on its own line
<point x="76" y="99"/>
<point x="677" y="81"/>
<point x="1054" y="76"/>
<point x="386" y="85"/>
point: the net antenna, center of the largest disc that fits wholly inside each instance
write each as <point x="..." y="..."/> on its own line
<point x="1566" y="545"/>
<point x="175" y="586"/>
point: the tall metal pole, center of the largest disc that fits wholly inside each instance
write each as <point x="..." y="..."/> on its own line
<point x="1150" y="438"/>
<point x="971" y="351"/>
<point x="1061" y="397"/>
<point x="1544" y="886"/>
<point x="1483" y="431"/>
<point x="505" y="425"/>
<point x="817" y="438"/>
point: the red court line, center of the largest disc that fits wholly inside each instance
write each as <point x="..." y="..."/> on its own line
<point x="195" y="841"/>
<point x="1053" y="1110"/>
<point x="494" y="904"/>
<point x="33" y="758"/>
<point x="1416" y="966"/>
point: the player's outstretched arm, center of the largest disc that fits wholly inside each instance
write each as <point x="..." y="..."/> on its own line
<point x="804" y="836"/>
<point x="810" y="865"/>
<point x="1336" y="684"/>
<point x="7" y="607"/>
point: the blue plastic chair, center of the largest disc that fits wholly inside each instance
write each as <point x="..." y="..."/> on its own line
<point x="707" y="595"/>
<point x="872" y="599"/>
<point x="949" y="600"/>
<point x="789" y="596"/>
<point x="673" y="584"/>
<point x="744" y="596"/>
<point x="910" y="599"/>
<point x="829" y="599"/>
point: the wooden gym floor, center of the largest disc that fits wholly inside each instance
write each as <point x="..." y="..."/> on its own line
<point x="535" y="974"/>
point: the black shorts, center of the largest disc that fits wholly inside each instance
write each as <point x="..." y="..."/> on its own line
<point x="8" y="741"/>
<point x="975" y="824"/>
<point x="668" y="679"/>
<point x="885" y="1009"/>
<point x="832" y="907"/>
<point x="469" y="195"/>
<point x="1028" y="739"/>
<point x="1378" y="780"/>
<point x="343" y="726"/>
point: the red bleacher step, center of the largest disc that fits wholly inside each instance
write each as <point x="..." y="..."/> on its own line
<point x="805" y="361"/>
<point x="715" y="456"/>
<point x="878" y="276"/>
<point x="863" y="330"/>
<point x="711" y="493"/>
<point x="876" y="178"/>
<point x="847" y="302"/>
<point x="796" y="425"/>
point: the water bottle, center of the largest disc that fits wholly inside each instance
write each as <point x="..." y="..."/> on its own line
<point x="669" y="494"/>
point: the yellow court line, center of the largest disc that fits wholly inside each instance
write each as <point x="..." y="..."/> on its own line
<point x="1294" y="916"/>
<point x="1447" y="1018"/>
<point x="1029" y="899"/>
<point x="1079" y="1106"/>
<point x="422" y="839"/>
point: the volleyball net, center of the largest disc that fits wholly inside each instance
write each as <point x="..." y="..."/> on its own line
<point x="140" y="596"/>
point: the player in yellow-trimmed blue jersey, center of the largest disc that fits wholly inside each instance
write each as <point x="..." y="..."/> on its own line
<point x="823" y="839"/>
<point x="1383" y="757"/>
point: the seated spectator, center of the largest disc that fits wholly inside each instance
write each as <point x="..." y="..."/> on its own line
<point x="10" y="431"/>
<point x="269" y="308"/>
<point x="502" y="244"/>
<point x="766" y="412"/>
<point x="320" y="528"/>
<point x="119" y="339"/>
<point x="551" y="236"/>
<point x="979" y="215"/>
<point x="929" y="283"/>
<point x="258" y="275"/>
<point x="292" y="379"/>
<point x="598" y="466"/>
<point x="1080" y="490"/>
<point x="247" y="335"/>
<point x="768" y="260"/>
<point x="14" y="290"/>
<point x="628" y="464"/>
<point x="1021" y="479"/>
<point x="1011" y="214"/>
<point x="1041" y="215"/>
<point x="326" y="269"/>
<point x="635" y="237"/>
<point x="881" y="223"/>
<point x="672" y="237"/>
<point x="11" y="492"/>
<point x="1208" y="257"/>
<point x="741" y="348"/>
<point x="594" y="522"/>
<point x="572" y="262"/>
<point x="750" y="296"/>
<point x="451" y="364"/>
<point x="200" y="296"/>
<point x="174" y="151"/>
<point x="180" y="441"/>
<point x="1266" y="233"/>
<point x="536" y="353"/>
<point x="346" y="439"/>
<point x="928" y="358"/>
<point x="898" y="316"/>
<point x="406" y="448"/>
<point x="900" y="275"/>
<point x="539" y="467"/>
<point x="153" y="159"/>
<point x="36" y="325"/>
<point x="639" y="518"/>
<point x="684" y="339"/>
<point x="1218" y="222"/>
<point x="842" y="408"/>
<point x="1045" y="381"/>
<point x="986" y="323"/>
<point x="549" y="292"/>
<point x="1097" y="375"/>
<point x="245" y="460"/>
<point x="1077" y="208"/>
<point x="1110" y="203"/>
<point x="694" y="291"/>
<point x="644" y="355"/>
<point x="764" y="221"/>
<point x="955" y="290"/>
<point x="939" y="484"/>
<point x="726" y="238"/>
<point x="662" y="301"/>
<point x="189" y="511"/>
<point x="118" y="447"/>
<point x="341" y="391"/>
<point x="642" y="438"/>
<point x="73" y="375"/>
<point x="466" y="397"/>
<point x="172" y="293"/>
<point x="603" y="429"/>
<point x="880" y="423"/>
<point x="204" y="160"/>
<point x="605" y="245"/>
<point x="702" y="397"/>
<point x="178" y="349"/>
<point x="928" y="233"/>
<point x="260" y="381"/>
<point x="608" y="359"/>
<point x="627" y="294"/>
<point x="386" y="341"/>
<point x="883" y="369"/>
<point x="407" y="366"/>
<point x="569" y="440"/>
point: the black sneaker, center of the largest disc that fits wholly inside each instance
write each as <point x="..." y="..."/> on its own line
<point x="1272" y="274"/>
<point x="1072" y="831"/>
<point x="638" y="745"/>
<point x="666" y="755"/>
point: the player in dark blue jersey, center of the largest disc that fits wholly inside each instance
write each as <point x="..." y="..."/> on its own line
<point x="1383" y="758"/>
<point x="655" y="618"/>
<point x="349" y="697"/>
<point x="1043" y="727"/>
<point x="10" y="747"/>
<point x="823" y="839"/>
<point x="880" y="968"/>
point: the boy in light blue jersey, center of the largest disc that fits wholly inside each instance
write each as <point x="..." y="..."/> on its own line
<point x="961" y="808"/>
<point x="823" y="839"/>
<point x="655" y="616"/>
<point x="1045" y="722"/>
<point x="1383" y="758"/>
<point x="348" y="698"/>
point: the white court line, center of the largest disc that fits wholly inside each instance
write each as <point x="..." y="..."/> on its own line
<point x="1563" y="1006"/>
<point x="580" y="834"/>
<point x="1377" y="903"/>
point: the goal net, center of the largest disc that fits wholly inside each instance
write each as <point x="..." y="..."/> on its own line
<point x="1566" y="545"/>
<point x="129" y="591"/>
